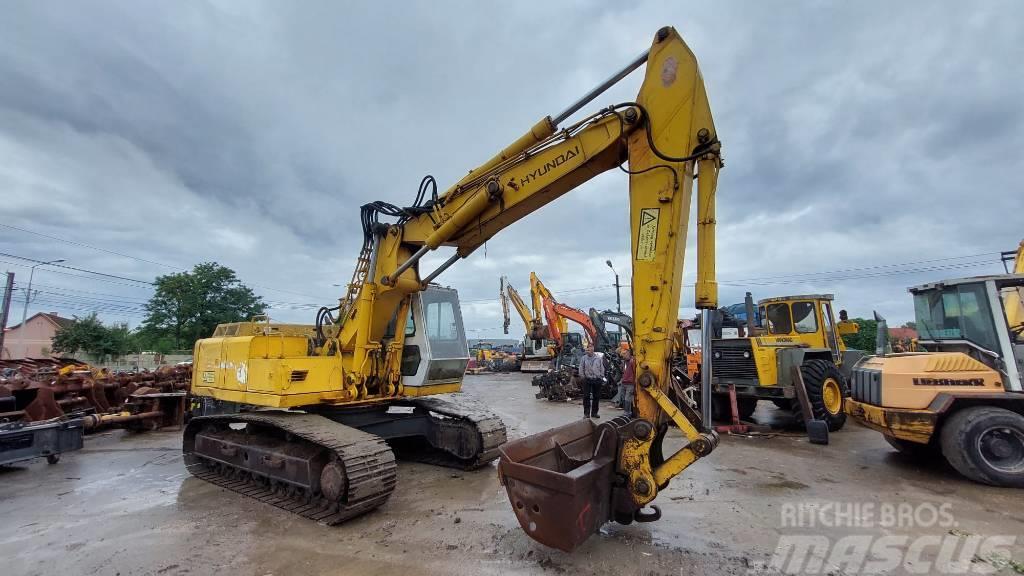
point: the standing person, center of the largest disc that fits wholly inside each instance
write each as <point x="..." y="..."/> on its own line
<point x="628" y="385"/>
<point x="591" y="370"/>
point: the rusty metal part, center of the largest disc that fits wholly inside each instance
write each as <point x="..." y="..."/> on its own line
<point x="558" y="385"/>
<point x="736" y="426"/>
<point x="47" y="390"/>
<point x="563" y="483"/>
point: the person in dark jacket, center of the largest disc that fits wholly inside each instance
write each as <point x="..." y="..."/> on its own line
<point x="591" y="371"/>
<point x="628" y="382"/>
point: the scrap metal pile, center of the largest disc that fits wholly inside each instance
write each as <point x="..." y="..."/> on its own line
<point x="39" y="390"/>
<point x="562" y="384"/>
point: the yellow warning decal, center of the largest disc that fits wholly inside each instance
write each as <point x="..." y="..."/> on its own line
<point x="647" y="234"/>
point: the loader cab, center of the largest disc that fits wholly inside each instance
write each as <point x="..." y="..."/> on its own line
<point x="572" y="349"/>
<point x="804" y="320"/>
<point x="435" y="353"/>
<point x="976" y="316"/>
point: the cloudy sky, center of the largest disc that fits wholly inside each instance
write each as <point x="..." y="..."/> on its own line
<point x="869" y="146"/>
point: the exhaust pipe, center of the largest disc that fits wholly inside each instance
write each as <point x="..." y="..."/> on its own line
<point x="748" y="302"/>
<point x="882" y="335"/>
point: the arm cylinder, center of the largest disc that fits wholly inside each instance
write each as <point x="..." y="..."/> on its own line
<point x="706" y="291"/>
<point x="538" y="133"/>
<point x="471" y="209"/>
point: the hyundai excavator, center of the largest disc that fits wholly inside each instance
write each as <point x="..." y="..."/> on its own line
<point x="304" y="416"/>
<point x="537" y="353"/>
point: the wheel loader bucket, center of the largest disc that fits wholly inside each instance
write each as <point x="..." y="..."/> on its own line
<point x="559" y="482"/>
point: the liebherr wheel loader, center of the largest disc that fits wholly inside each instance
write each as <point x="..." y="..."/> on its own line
<point x="963" y="398"/>
<point x="308" y="417"/>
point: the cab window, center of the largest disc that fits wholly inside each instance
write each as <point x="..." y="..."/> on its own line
<point x="441" y="321"/>
<point x="804" y="318"/>
<point x="779" y="321"/>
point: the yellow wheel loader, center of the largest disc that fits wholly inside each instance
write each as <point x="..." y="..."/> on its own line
<point x="308" y="418"/>
<point x="798" y="334"/>
<point x="962" y="397"/>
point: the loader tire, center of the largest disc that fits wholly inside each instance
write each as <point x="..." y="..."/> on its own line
<point x="827" y="392"/>
<point x="746" y="407"/>
<point x="986" y="444"/>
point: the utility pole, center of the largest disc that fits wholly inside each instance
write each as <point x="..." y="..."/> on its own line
<point x="28" y="297"/>
<point x="618" y="297"/>
<point x="5" y="310"/>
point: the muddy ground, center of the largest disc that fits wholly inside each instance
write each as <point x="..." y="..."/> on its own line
<point x="125" y="505"/>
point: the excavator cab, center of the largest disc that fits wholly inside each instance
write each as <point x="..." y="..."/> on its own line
<point x="435" y="351"/>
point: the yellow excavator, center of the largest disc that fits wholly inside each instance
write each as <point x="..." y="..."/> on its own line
<point x="537" y="352"/>
<point x="309" y="417"/>
<point x="962" y="398"/>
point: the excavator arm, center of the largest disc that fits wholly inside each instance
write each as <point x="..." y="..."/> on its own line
<point x="564" y="484"/>
<point x="578" y="316"/>
<point x="544" y="307"/>
<point x="511" y="294"/>
<point x="503" y="298"/>
<point x="599" y="319"/>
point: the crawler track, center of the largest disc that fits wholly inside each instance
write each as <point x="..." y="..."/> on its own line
<point x="368" y="472"/>
<point x="465" y="434"/>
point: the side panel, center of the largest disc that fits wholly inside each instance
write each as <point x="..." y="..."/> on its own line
<point x="912" y="381"/>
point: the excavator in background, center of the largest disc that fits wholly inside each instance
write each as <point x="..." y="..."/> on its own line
<point x="537" y="353"/>
<point x="607" y="340"/>
<point x="560" y="382"/>
<point x="962" y="398"/>
<point x="309" y="417"/>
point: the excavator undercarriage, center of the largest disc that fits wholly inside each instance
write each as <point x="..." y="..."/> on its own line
<point x="333" y="464"/>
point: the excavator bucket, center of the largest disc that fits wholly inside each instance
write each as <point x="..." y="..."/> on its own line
<point x="560" y="481"/>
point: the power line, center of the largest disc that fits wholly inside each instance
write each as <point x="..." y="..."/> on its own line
<point x="52" y="271"/>
<point x="64" y="288"/>
<point x="84" y="245"/>
<point x="76" y="269"/>
<point x="178" y="268"/>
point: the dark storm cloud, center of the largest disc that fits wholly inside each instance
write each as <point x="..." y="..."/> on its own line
<point x="856" y="134"/>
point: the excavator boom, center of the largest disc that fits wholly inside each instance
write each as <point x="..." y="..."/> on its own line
<point x="565" y="483"/>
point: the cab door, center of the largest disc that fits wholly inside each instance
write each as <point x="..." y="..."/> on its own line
<point x="831" y="336"/>
<point x="435" y="350"/>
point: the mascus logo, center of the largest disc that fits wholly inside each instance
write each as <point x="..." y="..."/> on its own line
<point x="948" y="382"/>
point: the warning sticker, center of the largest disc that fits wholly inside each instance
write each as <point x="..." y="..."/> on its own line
<point x="647" y="234"/>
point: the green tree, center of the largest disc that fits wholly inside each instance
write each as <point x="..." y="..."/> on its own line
<point x="91" y="336"/>
<point x="911" y="325"/>
<point x="864" y="339"/>
<point x="188" y="306"/>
